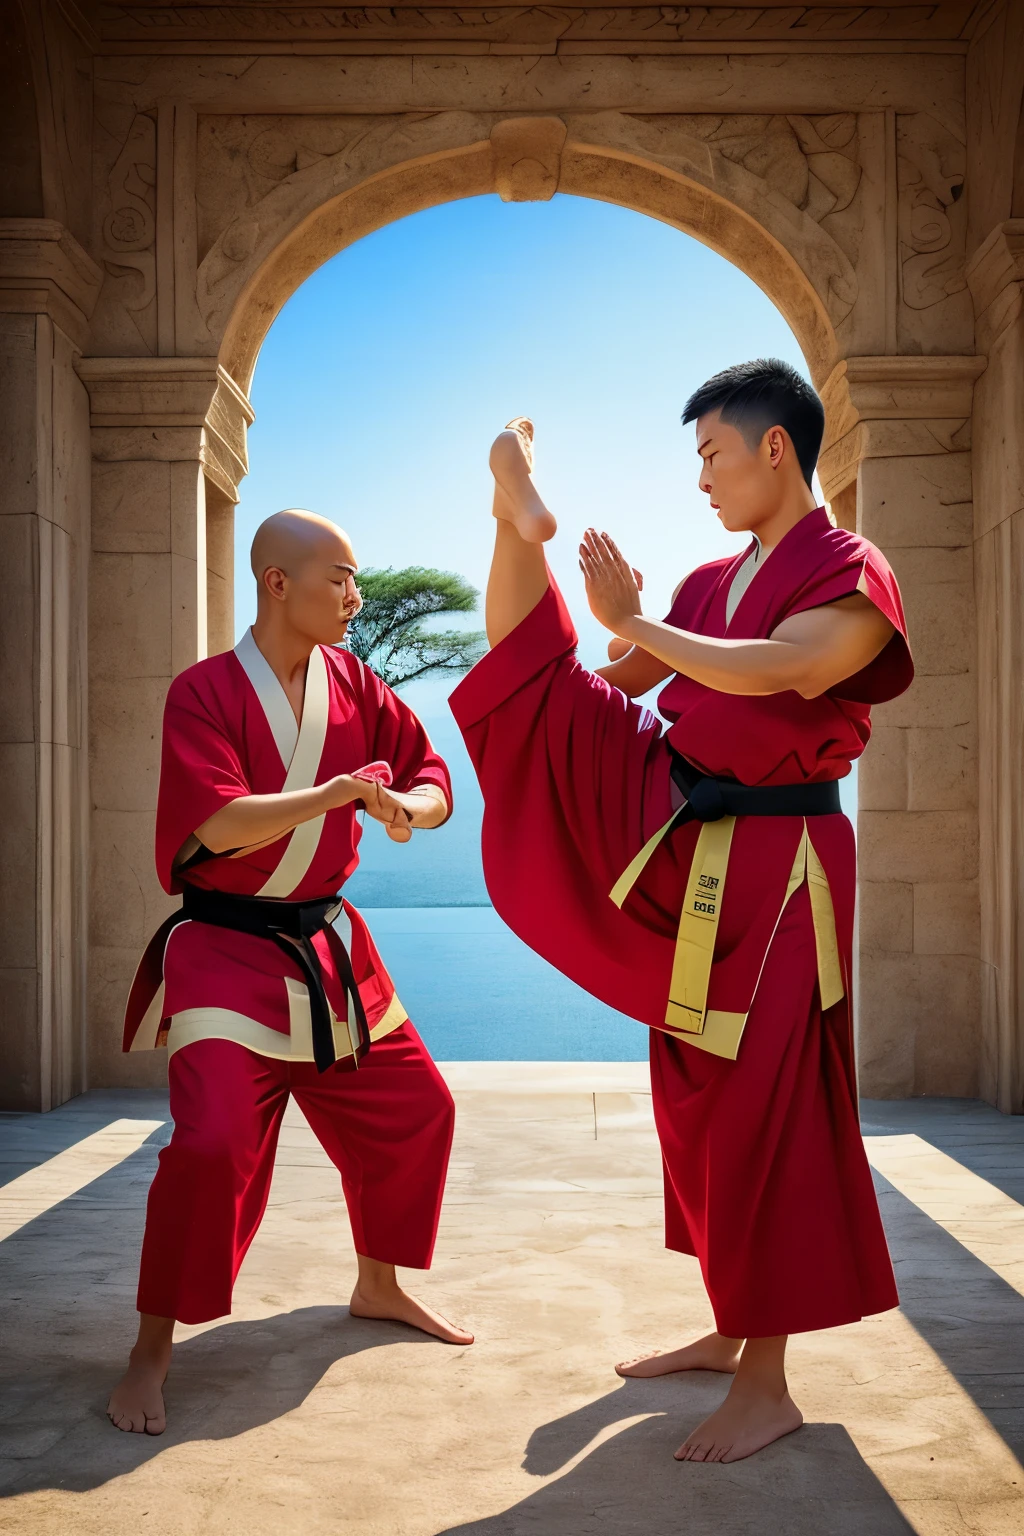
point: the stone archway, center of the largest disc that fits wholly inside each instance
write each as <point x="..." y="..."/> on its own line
<point x="179" y="167"/>
<point x="292" y="192"/>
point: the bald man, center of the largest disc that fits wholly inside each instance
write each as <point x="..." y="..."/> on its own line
<point x="266" y="983"/>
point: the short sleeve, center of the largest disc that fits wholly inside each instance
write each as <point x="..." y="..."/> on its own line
<point x="200" y="770"/>
<point x="892" y="671"/>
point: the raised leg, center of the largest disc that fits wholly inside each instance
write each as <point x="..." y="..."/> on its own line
<point x="757" y="1410"/>
<point x="519" y="574"/>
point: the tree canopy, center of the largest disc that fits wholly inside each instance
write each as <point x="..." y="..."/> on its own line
<point x="390" y="634"/>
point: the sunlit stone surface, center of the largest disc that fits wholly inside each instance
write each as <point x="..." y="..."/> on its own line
<point x="289" y="1416"/>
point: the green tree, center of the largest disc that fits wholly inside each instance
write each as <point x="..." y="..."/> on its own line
<point x="390" y="635"/>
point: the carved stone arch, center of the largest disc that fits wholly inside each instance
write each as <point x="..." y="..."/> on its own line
<point x="388" y="169"/>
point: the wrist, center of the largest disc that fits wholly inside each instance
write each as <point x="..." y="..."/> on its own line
<point x="342" y="790"/>
<point x="626" y="628"/>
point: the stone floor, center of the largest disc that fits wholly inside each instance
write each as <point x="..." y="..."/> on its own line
<point x="291" y="1416"/>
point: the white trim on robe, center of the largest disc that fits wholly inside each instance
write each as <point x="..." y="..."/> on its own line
<point x="301" y="748"/>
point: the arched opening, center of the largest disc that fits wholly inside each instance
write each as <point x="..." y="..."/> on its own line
<point x="376" y="393"/>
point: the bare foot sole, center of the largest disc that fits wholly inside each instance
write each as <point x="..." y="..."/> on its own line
<point x="516" y="497"/>
<point x="742" y="1426"/>
<point x="400" y="1307"/>
<point x="712" y="1353"/>
<point x="137" y="1402"/>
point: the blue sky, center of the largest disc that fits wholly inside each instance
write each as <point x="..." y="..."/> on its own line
<point x="384" y="379"/>
<point x="386" y="376"/>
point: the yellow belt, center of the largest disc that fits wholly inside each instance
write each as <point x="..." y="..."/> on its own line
<point x="687" y="1015"/>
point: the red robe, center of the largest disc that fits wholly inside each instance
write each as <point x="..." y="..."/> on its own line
<point x="229" y="731"/>
<point x="765" y="1175"/>
<point x="234" y="1011"/>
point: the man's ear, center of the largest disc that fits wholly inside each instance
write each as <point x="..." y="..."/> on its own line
<point x="776" y="440"/>
<point x="273" y="580"/>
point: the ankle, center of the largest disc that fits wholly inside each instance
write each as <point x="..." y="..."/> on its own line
<point x="373" y="1283"/>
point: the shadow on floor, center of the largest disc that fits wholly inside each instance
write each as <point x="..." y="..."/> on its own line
<point x="224" y="1382"/>
<point x="990" y="1144"/>
<point x="969" y="1315"/>
<point x="813" y="1483"/>
<point x="27" y="1140"/>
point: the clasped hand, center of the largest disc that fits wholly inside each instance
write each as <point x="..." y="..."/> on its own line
<point x="613" y="587"/>
<point x="383" y="806"/>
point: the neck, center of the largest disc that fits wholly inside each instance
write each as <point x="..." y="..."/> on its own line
<point x="286" y="650"/>
<point x="792" y="510"/>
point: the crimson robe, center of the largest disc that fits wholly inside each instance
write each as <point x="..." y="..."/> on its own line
<point x="765" y="1175"/>
<point x="229" y="730"/>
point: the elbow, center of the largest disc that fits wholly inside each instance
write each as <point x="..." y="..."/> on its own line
<point x="811" y="685"/>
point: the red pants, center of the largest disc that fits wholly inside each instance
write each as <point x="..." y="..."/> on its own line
<point x="766" y="1178"/>
<point x="387" y="1128"/>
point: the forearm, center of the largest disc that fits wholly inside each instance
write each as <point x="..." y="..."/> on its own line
<point x="426" y="805"/>
<point x="752" y="667"/>
<point x="635" y="673"/>
<point x="253" y="819"/>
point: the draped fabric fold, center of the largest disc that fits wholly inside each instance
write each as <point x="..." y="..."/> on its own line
<point x="749" y="1004"/>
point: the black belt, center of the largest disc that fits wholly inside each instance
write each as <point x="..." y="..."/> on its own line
<point x="291" y="926"/>
<point x="709" y="799"/>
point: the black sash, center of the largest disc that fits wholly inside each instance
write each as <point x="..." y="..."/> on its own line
<point x="291" y="926"/>
<point x="709" y="799"/>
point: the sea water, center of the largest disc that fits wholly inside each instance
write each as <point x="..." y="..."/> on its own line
<point x="475" y="991"/>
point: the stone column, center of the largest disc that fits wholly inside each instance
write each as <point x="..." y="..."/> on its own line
<point x="996" y="277"/>
<point x="48" y="286"/>
<point x="168" y="437"/>
<point x="900" y="427"/>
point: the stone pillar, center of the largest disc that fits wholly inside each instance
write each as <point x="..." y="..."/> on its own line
<point x="996" y="277"/>
<point x="48" y="286"/>
<point x="168" y="436"/>
<point x="901" y="427"/>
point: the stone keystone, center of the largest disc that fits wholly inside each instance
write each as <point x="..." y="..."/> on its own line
<point x="527" y="158"/>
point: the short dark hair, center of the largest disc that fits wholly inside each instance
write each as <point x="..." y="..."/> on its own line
<point x="761" y="394"/>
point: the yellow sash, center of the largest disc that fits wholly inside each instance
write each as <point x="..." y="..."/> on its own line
<point x="687" y="1015"/>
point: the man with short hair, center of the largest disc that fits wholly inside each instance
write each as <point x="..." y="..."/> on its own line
<point x="266" y="983"/>
<point x="701" y="877"/>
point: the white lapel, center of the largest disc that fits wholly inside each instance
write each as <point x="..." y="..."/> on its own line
<point x="301" y="747"/>
<point x="279" y="713"/>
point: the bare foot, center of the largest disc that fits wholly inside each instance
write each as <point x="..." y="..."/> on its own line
<point x="137" y="1402"/>
<point x="711" y="1353"/>
<point x="395" y="1305"/>
<point x="516" y="497"/>
<point x="746" y="1422"/>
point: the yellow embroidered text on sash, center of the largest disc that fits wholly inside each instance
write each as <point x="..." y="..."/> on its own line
<point x="687" y="1015"/>
<point x="698" y="927"/>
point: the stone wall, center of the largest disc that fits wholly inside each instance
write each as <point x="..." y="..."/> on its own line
<point x="44" y="521"/>
<point x="197" y="162"/>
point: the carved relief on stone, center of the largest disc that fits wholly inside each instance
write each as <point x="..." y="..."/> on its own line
<point x="527" y="158"/>
<point x="157" y="20"/>
<point x="935" y="312"/>
<point x="129" y="228"/>
<point x="812" y="161"/>
<point x="242" y="159"/>
<point x="258" y="177"/>
<point x="932" y="217"/>
<point x="798" y="176"/>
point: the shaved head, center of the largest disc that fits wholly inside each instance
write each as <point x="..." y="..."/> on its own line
<point x="288" y="539"/>
<point x="305" y="579"/>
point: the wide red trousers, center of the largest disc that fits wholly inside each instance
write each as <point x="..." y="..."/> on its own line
<point x="387" y="1128"/>
<point x="766" y="1178"/>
